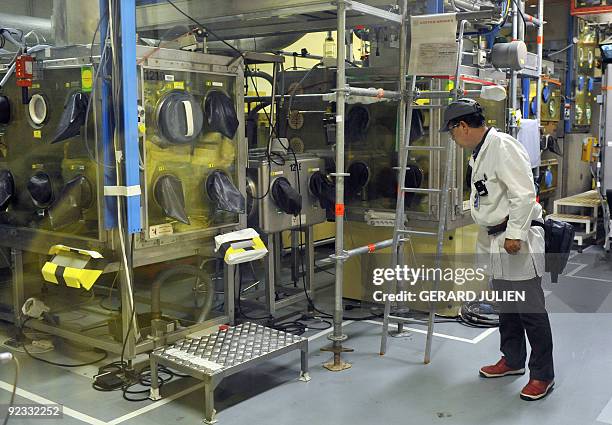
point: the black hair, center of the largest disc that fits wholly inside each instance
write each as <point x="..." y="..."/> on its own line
<point x="475" y="120"/>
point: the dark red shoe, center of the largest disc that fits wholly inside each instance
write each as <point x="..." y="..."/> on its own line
<point x="536" y="390"/>
<point x="499" y="369"/>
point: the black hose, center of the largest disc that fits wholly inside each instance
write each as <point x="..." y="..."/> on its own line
<point x="251" y="123"/>
<point x="259" y="74"/>
<point x="471" y="314"/>
<point x="179" y="270"/>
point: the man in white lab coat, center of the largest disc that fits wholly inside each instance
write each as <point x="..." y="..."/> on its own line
<point x="503" y="203"/>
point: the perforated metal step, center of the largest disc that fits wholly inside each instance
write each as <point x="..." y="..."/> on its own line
<point x="229" y="348"/>
<point x="225" y="352"/>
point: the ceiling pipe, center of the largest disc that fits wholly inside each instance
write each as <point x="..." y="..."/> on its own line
<point x="42" y="27"/>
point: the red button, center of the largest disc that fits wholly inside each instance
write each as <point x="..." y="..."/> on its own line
<point x="223" y="328"/>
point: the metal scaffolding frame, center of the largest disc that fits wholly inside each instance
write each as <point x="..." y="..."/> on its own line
<point x="404" y="95"/>
<point x="341" y="7"/>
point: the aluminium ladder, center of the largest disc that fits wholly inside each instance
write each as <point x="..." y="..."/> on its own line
<point x="400" y="232"/>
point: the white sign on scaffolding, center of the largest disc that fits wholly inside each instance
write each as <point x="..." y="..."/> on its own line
<point x="433" y="48"/>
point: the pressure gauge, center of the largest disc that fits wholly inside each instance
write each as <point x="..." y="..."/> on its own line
<point x="296" y="120"/>
<point x="297" y="145"/>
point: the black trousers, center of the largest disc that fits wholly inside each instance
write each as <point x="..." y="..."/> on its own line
<point x="530" y="317"/>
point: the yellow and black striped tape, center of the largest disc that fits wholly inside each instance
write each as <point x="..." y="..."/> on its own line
<point x="73" y="277"/>
<point x="257" y="243"/>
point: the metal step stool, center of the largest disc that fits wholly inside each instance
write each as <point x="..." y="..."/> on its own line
<point x="213" y="357"/>
<point x="589" y="203"/>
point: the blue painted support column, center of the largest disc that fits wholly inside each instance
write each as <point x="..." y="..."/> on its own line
<point x="569" y="75"/>
<point x="106" y="141"/>
<point x="129" y="98"/>
<point x="435" y="6"/>
<point x="490" y="36"/>
<point x="526" y="86"/>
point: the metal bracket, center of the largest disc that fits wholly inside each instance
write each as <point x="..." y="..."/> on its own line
<point x="331" y="337"/>
<point x="339" y="174"/>
<point x="342" y="257"/>
<point x="154" y="394"/>
<point x="346" y="90"/>
<point x="213" y="421"/>
<point x="304" y="377"/>
<point x="337" y="364"/>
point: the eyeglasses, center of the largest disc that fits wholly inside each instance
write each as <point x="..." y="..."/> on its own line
<point x="451" y="128"/>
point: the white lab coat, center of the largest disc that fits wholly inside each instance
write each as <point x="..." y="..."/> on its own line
<point x="503" y="164"/>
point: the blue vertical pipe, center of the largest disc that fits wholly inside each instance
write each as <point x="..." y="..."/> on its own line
<point x="110" y="178"/>
<point x="526" y="86"/>
<point x="490" y="36"/>
<point x="435" y="6"/>
<point x="569" y="75"/>
<point x="129" y="97"/>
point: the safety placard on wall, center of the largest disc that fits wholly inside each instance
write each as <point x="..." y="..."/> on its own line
<point x="433" y="46"/>
<point x="160" y="230"/>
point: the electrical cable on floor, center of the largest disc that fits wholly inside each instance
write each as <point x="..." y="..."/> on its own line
<point x="125" y="385"/>
<point x="21" y="329"/>
<point x="299" y="326"/>
<point x="142" y="380"/>
<point x="479" y="315"/>
<point x="104" y="356"/>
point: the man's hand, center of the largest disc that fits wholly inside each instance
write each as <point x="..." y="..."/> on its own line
<point x="512" y="246"/>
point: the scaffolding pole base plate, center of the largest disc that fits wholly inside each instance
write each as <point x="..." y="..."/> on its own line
<point x="333" y="367"/>
<point x="337" y="364"/>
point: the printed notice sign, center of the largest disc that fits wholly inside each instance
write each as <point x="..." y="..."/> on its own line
<point x="433" y="49"/>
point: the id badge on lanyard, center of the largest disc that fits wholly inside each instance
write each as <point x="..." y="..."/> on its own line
<point x="481" y="190"/>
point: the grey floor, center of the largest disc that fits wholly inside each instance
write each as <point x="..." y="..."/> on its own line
<point x="394" y="389"/>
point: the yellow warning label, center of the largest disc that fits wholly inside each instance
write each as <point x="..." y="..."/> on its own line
<point x="37" y="134"/>
<point x="87" y="78"/>
<point x="179" y="85"/>
<point x="211" y="165"/>
<point x="35" y="85"/>
<point x="276" y="173"/>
